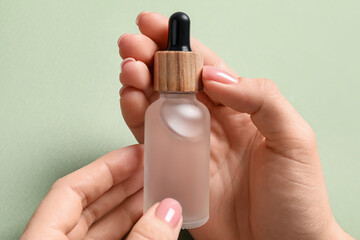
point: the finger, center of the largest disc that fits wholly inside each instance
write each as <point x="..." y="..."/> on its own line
<point x="203" y="98"/>
<point x="133" y="104"/>
<point x="137" y="46"/>
<point x="117" y="223"/>
<point x="136" y="74"/>
<point x="271" y="113"/>
<point x="106" y="203"/>
<point x="70" y="194"/>
<point x="162" y="221"/>
<point x="155" y="26"/>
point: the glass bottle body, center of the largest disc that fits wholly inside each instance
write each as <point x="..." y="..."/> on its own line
<point x="176" y="155"/>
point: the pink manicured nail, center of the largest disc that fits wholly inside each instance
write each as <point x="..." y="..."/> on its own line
<point x="126" y="60"/>
<point x="169" y="210"/>
<point x="215" y="74"/>
<point x="139" y="16"/>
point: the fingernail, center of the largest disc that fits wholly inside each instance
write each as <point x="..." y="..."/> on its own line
<point x="123" y="35"/>
<point x="169" y="210"/>
<point x="137" y="20"/>
<point x="215" y="74"/>
<point x="126" y="60"/>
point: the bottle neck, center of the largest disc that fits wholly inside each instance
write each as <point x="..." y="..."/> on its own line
<point x="178" y="94"/>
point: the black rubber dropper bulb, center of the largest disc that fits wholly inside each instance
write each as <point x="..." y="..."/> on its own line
<point x="179" y="32"/>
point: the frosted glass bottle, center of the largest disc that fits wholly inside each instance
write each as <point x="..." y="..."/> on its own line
<point x="176" y="159"/>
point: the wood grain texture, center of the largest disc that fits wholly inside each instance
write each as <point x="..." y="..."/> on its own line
<point x="176" y="71"/>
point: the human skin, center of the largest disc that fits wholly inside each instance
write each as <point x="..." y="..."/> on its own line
<point x="266" y="180"/>
<point x="265" y="174"/>
<point x="103" y="200"/>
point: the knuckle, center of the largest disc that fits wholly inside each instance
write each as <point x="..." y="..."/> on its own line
<point x="268" y="85"/>
<point x="58" y="183"/>
<point x="90" y="215"/>
<point x="303" y="142"/>
<point x="64" y="185"/>
<point x="309" y="135"/>
<point x="269" y="90"/>
<point x="142" y="235"/>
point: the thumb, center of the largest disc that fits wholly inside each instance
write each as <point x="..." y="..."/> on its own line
<point x="162" y="221"/>
<point x="270" y="112"/>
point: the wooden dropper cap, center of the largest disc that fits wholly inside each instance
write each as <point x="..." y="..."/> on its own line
<point x="178" y="69"/>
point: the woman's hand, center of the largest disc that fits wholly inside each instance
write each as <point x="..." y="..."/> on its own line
<point x="266" y="180"/>
<point x="103" y="201"/>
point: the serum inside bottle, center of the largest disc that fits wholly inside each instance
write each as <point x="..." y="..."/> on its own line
<point x="177" y="129"/>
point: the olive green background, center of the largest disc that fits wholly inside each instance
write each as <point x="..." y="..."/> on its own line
<point x="59" y="67"/>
